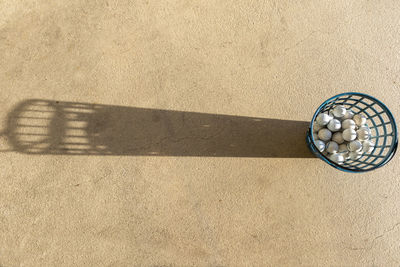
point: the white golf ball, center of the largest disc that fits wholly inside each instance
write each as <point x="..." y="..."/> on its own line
<point x="323" y="119"/>
<point x="339" y="111"/>
<point x="324" y="134"/>
<point x="332" y="147"/>
<point x="363" y="134"/>
<point x="334" y="125"/>
<point x="354" y="146"/>
<point x="355" y="155"/>
<point x="348" y="123"/>
<point x="365" y="127"/>
<point x="346" y="155"/>
<point x="368" y="146"/>
<point x="360" y="119"/>
<point x="349" y="115"/>
<point x="320" y="145"/>
<point x="348" y="134"/>
<point x="331" y="113"/>
<point x="336" y="157"/>
<point x="343" y="148"/>
<point x="338" y="137"/>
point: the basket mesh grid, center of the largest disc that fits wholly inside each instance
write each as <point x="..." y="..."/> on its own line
<point x="379" y="120"/>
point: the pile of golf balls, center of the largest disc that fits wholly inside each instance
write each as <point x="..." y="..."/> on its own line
<point x="342" y="135"/>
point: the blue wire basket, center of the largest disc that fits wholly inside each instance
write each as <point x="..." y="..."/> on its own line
<point x="379" y="119"/>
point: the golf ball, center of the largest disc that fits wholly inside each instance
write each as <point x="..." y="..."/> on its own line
<point x="324" y="134"/>
<point x="334" y="125"/>
<point x="338" y="137"/>
<point x="343" y="148"/>
<point x="332" y="147"/>
<point x="349" y="115"/>
<point x="323" y="119"/>
<point x="354" y="146"/>
<point x="339" y="111"/>
<point x="368" y="146"/>
<point x="320" y="145"/>
<point x="348" y="123"/>
<point x="363" y="134"/>
<point x="349" y="134"/>
<point x="317" y="127"/>
<point x="355" y="155"/>
<point x="337" y="158"/>
<point x="360" y="119"/>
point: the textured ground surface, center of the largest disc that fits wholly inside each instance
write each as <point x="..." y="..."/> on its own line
<point x="159" y="188"/>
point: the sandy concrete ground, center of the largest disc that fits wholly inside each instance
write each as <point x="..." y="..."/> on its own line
<point x="172" y="193"/>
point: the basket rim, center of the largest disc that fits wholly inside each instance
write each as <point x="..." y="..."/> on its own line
<point x="390" y="154"/>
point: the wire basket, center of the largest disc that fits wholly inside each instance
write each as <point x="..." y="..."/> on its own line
<point x="379" y="119"/>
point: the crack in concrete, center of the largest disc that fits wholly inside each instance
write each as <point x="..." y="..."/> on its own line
<point x="375" y="238"/>
<point x="176" y="140"/>
<point x="322" y="32"/>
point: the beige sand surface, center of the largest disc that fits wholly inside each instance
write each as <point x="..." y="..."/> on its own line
<point x="147" y="186"/>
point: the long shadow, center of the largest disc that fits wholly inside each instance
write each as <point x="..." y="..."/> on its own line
<point x="39" y="126"/>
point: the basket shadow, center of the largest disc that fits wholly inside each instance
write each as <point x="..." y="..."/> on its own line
<point x="69" y="128"/>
